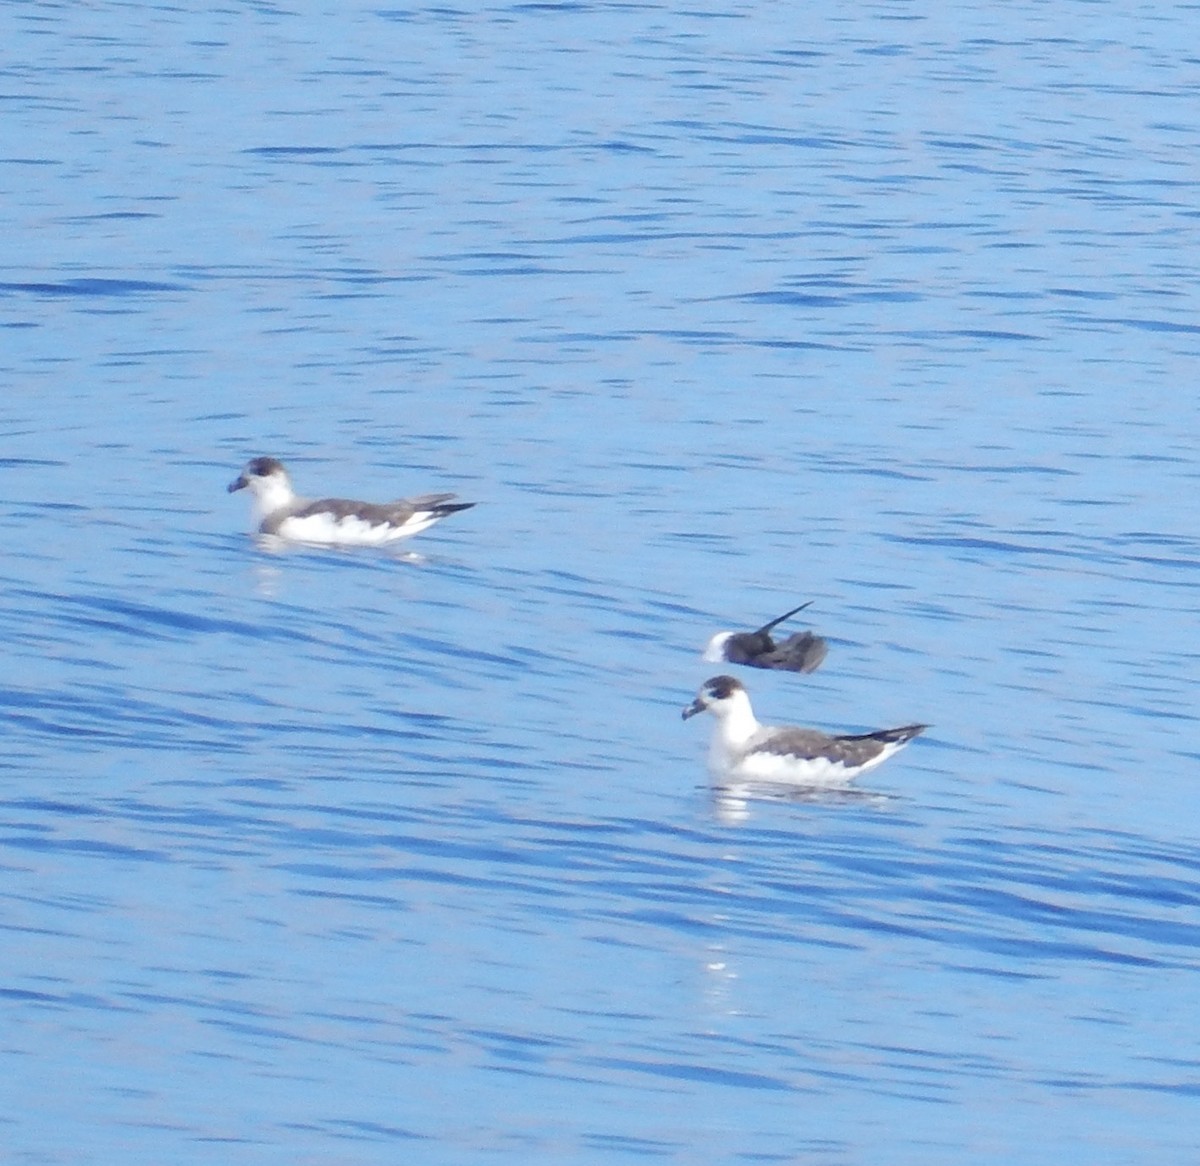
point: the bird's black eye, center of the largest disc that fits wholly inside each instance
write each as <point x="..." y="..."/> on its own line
<point x="261" y="467"/>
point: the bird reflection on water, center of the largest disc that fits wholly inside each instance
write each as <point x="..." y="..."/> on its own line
<point x="730" y="803"/>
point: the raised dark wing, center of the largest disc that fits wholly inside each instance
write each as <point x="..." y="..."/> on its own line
<point x="766" y="629"/>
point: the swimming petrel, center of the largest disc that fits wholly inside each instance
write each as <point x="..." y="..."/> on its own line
<point x="335" y="521"/>
<point x="742" y="749"/>
<point x="800" y="652"/>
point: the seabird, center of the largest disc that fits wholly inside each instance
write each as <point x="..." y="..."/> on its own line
<point x="800" y="652"/>
<point x="742" y="749"/>
<point x="335" y="521"/>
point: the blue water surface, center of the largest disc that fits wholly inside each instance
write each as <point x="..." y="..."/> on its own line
<point x="357" y="858"/>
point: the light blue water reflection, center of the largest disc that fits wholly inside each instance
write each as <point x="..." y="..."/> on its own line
<point x="343" y="858"/>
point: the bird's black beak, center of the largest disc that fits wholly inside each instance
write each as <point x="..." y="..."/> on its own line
<point x="697" y="706"/>
<point x="239" y="483"/>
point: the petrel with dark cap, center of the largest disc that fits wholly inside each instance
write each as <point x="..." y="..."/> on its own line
<point x="743" y="750"/>
<point x="800" y="652"/>
<point x="335" y="521"/>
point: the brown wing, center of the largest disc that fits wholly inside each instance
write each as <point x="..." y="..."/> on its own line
<point x="804" y="744"/>
<point x="747" y="648"/>
<point x="380" y="513"/>
<point x="801" y="652"/>
<point x="851" y="751"/>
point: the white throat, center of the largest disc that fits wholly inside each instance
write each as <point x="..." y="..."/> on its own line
<point x="736" y="722"/>
<point x="271" y="493"/>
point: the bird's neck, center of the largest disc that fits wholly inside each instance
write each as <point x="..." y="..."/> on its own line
<point x="738" y="724"/>
<point x="273" y="494"/>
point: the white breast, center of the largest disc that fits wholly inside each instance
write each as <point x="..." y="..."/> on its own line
<point x="350" y="531"/>
<point x="752" y="765"/>
<point x="779" y="767"/>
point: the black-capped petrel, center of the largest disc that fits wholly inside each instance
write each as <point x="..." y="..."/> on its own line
<point x="335" y="521"/>
<point x="742" y="749"/>
<point x="800" y="652"/>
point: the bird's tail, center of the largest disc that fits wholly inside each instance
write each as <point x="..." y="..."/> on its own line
<point x="803" y="651"/>
<point x="444" y="508"/>
<point x="439" y="505"/>
<point x="899" y="736"/>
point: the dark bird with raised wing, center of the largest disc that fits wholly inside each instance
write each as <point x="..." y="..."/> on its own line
<point x="800" y="652"/>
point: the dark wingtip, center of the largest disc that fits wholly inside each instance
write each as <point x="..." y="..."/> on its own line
<point x="899" y="736"/>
